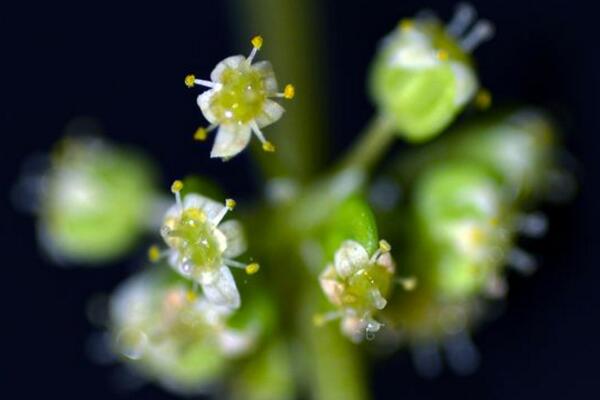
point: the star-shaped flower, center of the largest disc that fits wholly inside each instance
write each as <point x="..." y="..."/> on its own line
<point x="239" y="102"/>
<point x="357" y="285"/>
<point x="202" y="247"/>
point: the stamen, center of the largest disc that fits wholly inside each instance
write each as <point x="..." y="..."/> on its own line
<point x="266" y="145"/>
<point x="176" y="189"/>
<point x="322" y="319"/>
<point x="154" y="253"/>
<point x="189" y="80"/>
<point x="203" y="82"/>
<point x="229" y="205"/>
<point x="384" y="247"/>
<point x="482" y="31"/>
<point x="257" y="42"/>
<point x="289" y="91"/>
<point x="405" y="25"/>
<point x="378" y="300"/>
<point x="442" y="55"/>
<point x="202" y="133"/>
<point x="250" y="269"/>
<point x="463" y="17"/>
<point x="483" y="99"/>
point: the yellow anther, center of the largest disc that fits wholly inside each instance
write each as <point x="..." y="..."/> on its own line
<point x="176" y="186"/>
<point x="196" y="215"/>
<point x="406" y="24"/>
<point x="200" y="134"/>
<point x="476" y="236"/>
<point x="408" y="283"/>
<point x="268" y="147"/>
<point x="289" y="91"/>
<point x="257" y="42"/>
<point x="153" y="253"/>
<point x="191" y="295"/>
<point x="252" y="268"/>
<point x="384" y="246"/>
<point x="483" y="99"/>
<point x="190" y="80"/>
<point x="230" y="204"/>
<point x="442" y="55"/>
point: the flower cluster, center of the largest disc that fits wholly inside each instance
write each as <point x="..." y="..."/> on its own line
<point x="239" y="103"/>
<point x="358" y="286"/>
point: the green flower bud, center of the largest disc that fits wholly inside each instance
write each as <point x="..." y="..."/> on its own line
<point x="96" y="200"/>
<point x="464" y="217"/>
<point x="423" y="75"/>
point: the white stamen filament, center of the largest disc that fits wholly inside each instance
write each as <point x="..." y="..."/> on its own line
<point x="234" y="264"/>
<point x="482" y="31"/>
<point x="203" y="82"/>
<point x="257" y="131"/>
<point x="252" y="55"/>
<point x="463" y="17"/>
<point x="219" y="217"/>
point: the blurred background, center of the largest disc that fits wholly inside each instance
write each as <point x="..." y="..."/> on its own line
<point x="123" y="64"/>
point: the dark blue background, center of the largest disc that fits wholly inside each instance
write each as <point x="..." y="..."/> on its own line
<point x="123" y="64"/>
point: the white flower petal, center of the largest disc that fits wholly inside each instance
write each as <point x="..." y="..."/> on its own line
<point x="221" y="240"/>
<point x="350" y="258"/>
<point x="222" y="290"/>
<point x="204" y="102"/>
<point x="271" y="112"/>
<point x="231" y="140"/>
<point x="229" y="62"/>
<point x="234" y="343"/>
<point x="210" y="207"/>
<point x="236" y="240"/>
<point x="466" y="83"/>
<point x="266" y="70"/>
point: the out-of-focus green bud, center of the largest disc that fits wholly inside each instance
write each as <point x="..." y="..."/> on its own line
<point x="465" y="220"/>
<point x="423" y="75"/>
<point x="519" y="146"/>
<point x="169" y="334"/>
<point x="95" y="201"/>
<point x="267" y="376"/>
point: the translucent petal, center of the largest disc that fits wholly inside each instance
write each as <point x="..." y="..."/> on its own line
<point x="204" y="102"/>
<point x="466" y="83"/>
<point x="236" y="241"/>
<point x="231" y="139"/>
<point x="221" y="290"/>
<point x="350" y="258"/>
<point x="234" y="343"/>
<point x="271" y="112"/>
<point x="266" y="70"/>
<point x="210" y="207"/>
<point x="229" y="62"/>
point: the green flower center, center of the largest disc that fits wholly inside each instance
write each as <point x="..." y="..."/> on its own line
<point x="241" y="97"/>
<point x="196" y="241"/>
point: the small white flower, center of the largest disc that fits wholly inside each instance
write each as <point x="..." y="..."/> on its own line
<point x="239" y="103"/>
<point x="202" y="247"/>
<point x="357" y="285"/>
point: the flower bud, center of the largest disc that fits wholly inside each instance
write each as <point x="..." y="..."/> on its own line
<point x="423" y="75"/>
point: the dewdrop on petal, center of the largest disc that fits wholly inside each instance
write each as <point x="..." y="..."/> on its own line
<point x="357" y="285"/>
<point x="423" y="75"/>
<point x="238" y="102"/>
<point x="202" y="247"/>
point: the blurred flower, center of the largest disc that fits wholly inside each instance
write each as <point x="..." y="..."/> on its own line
<point x="171" y="335"/>
<point x="423" y="75"/>
<point x="95" y="200"/>
<point x="239" y="103"/>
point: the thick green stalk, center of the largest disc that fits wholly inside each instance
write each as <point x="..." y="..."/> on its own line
<point x="372" y="144"/>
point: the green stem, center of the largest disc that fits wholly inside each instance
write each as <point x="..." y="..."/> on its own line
<point x="372" y="144"/>
<point x="294" y="45"/>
